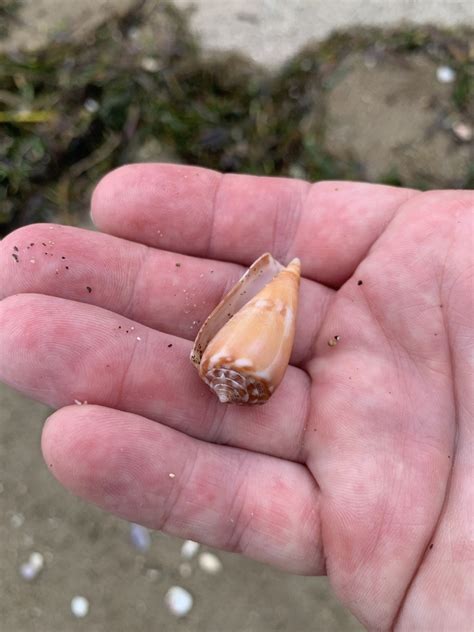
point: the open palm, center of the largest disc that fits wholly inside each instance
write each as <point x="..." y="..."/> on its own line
<point x="360" y="465"/>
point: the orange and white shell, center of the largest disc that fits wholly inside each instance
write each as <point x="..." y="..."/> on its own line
<point x="244" y="347"/>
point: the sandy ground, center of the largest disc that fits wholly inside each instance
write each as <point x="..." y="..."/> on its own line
<point x="271" y="31"/>
<point x="89" y="553"/>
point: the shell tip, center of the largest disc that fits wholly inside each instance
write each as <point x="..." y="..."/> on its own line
<point x="295" y="263"/>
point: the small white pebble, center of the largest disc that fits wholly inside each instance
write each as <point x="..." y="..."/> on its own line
<point x="185" y="570"/>
<point x="179" y="601"/>
<point x="77" y="402"/>
<point x="445" y="74"/>
<point x="132" y="328"/>
<point x="210" y="563"/>
<point x="172" y="475"/>
<point x="138" y="338"/>
<point x="189" y="549"/>
<point x="32" y="260"/>
<point x="79" y="606"/>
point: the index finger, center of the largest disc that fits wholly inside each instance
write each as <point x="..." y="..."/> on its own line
<point x="328" y="225"/>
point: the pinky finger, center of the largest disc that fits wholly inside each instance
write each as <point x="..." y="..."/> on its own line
<point x="261" y="506"/>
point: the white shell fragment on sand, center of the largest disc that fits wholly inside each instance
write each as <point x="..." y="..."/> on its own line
<point x="140" y="537"/>
<point x="189" y="549"/>
<point x="210" y="563"/>
<point x="179" y="601"/>
<point x="243" y="348"/>
<point x="445" y="74"/>
<point x="79" y="606"/>
<point x="31" y="569"/>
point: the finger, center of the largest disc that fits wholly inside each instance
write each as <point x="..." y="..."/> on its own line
<point x="170" y="292"/>
<point x="59" y="352"/>
<point x="262" y="507"/>
<point x="330" y="226"/>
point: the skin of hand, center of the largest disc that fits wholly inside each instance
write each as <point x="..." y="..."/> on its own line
<point x="361" y="464"/>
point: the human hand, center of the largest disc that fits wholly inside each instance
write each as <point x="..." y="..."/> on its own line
<point x="359" y="466"/>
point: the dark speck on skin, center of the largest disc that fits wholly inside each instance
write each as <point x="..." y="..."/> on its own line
<point x="359" y="282"/>
<point x="178" y="265"/>
<point x="15" y="257"/>
<point x="63" y="257"/>
<point x="32" y="243"/>
<point x="43" y="244"/>
<point x="431" y="546"/>
<point x="89" y="289"/>
<point x="67" y="267"/>
<point x="170" y="345"/>
<point x="15" y="248"/>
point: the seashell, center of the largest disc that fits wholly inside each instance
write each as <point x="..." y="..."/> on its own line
<point x="243" y="348"/>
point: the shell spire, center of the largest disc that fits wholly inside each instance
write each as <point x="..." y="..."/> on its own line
<point x="244" y="359"/>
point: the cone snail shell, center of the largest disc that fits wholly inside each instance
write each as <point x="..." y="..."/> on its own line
<point x="243" y="348"/>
